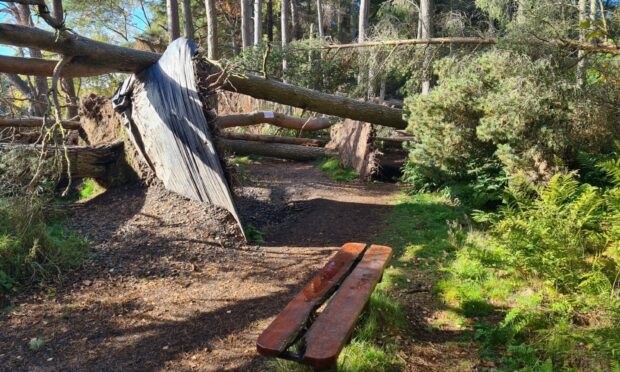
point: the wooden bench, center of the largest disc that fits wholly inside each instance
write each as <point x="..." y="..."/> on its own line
<point x="349" y="278"/>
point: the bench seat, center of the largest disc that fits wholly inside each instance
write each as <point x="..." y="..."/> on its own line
<point x="352" y="273"/>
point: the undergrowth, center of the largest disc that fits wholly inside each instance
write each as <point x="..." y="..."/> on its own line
<point x="336" y="171"/>
<point x="33" y="249"/>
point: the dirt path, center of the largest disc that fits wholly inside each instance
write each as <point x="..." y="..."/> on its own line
<point x="169" y="287"/>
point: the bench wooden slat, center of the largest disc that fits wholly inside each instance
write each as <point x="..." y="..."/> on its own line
<point x="289" y="323"/>
<point x="333" y="328"/>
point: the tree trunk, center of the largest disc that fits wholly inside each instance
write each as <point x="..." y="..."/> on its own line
<point x="319" y="13"/>
<point x="188" y="22"/>
<point x="284" y="22"/>
<point x="581" y="55"/>
<point x="257" y="87"/>
<point x="270" y="20"/>
<point x="39" y="107"/>
<point x="275" y="139"/>
<point x="295" y="20"/>
<point x="274" y="118"/>
<point x="212" y="50"/>
<point x="172" y="10"/>
<point x="363" y="21"/>
<point x="246" y="23"/>
<point x="258" y="22"/>
<point x="100" y="162"/>
<point x="275" y="150"/>
<point x="362" y="28"/>
<point x="426" y="32"/>
<point x="34" y="122"/>
<point x="72" y="100"/>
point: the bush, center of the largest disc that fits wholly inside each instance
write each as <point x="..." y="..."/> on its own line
<point x="551" y="259"/>
<point x="505" y="106"/>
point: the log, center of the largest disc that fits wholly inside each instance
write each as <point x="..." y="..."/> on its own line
<point x="274" y="150"/>
<point x="35" y="122"/>
<point x="86" y="52"/>
<point x="314" y="142"/>
<point x="561" y="43"/>
<point x="99" y="162"/>
<point x="312" y="100"/>
<point x="274" y="118"/>
<point x="110" y="58"/>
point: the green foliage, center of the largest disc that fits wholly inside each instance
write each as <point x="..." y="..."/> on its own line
<point x="506" y="107"/>
<point x="254" y="235"/>
<point x="550" y="259"/>
<point x="336" y="171"/>
<point x="305" y="67"/>
<point x="36" y="343"/>
<point x="31" y="248"/>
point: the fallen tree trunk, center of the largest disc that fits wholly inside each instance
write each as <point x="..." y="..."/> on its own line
<point x="274" y="118"/>
<point x="274" y="150"/>
<point x="104" y="57"/>
<point x="314" y="142"/>
<point x="562" y="43"/>
<point x="35" y="122"/>
<point x="99" y="162"/>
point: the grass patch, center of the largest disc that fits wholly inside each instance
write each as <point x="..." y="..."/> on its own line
<point x="89" y="188"/>
<point x="336" y="171"/>
<point x="32" y="248"/>
<point x="254" y="235"/>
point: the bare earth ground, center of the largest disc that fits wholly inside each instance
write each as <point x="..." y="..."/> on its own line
<point x="168" y="285"/>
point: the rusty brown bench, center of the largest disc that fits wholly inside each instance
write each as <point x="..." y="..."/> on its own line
<point x="349" y="278"/>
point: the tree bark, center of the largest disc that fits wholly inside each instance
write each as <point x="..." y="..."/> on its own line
<point x="39" y="106"/>
<point x="363" y="21"/>
<point x="295" y="20"/>
<point x="188" y="22"/>
<point x="270" y="20"/>
<point x="274" y="118"/>
<point x="275" y="139"/>
<point x="172" y="10"/>
<point x="319" y="14"/>
<point x="34" y="122"/>
<point x="581" y="55"/>
<point x="258" y="22"/>
<point x="99" y="162"/>
<point x="246" y="23"/>
<point x="212" y="50"/>
<point x="312" y="100"/>
<point x="426" y="28"/>
<point x="257" y="87"/>
<point x="275" y="150"/>
<point x="284" y="27"/>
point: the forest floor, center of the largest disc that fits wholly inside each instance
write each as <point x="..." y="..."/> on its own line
<point x="170" y="287"/>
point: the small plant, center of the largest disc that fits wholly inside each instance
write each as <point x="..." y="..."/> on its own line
<point x="336" y="171"/>
<point x="36" y="343"/>
<point x="254" y="235"/>
<point x="89" y="189"/>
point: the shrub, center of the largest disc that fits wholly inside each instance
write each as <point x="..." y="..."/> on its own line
<point x="551" y="259"/>
<point x="505" y="106"/>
